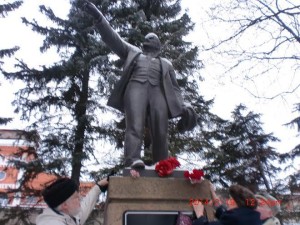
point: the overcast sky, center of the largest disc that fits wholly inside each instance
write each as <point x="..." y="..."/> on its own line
<point x="227" y="95"/>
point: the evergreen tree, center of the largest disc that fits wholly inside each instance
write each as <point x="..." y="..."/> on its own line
<point x="66" y="101"/>
<point x="289" y="158"/>
<point x="4" y="10"/>
<point x="8" y="7"/>
<point x="295" y="152"/>
<point x="244" y="155"/>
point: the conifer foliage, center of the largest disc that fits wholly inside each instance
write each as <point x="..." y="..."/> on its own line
<point x="245" y="155"/>
<point x="291" y="156"/>
<point x="66" y="101"/>
<point x="295" y="123"/>
<point x="4" y="10"/>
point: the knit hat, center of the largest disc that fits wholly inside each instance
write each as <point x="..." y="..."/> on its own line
<point x="59" y="191"/>
<point x="243" y="196"/>
<point x="269" y="200"/>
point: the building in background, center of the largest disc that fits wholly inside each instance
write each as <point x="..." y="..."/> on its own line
<point x="19" y="146"/>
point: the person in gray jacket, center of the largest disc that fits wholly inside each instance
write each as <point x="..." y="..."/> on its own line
<point x="268" y="207"/>
<point x="147" y="90"/>
<point x="64" y="204"/>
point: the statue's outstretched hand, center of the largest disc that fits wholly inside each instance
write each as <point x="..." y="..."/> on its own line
<point x="92" y="9"/>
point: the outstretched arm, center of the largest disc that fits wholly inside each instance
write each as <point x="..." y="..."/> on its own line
<point x="108" y="34"/>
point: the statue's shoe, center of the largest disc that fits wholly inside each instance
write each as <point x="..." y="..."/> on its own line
<point x="138" y="164"/>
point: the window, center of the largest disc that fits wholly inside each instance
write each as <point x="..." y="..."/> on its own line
<point x="2" y="175"/>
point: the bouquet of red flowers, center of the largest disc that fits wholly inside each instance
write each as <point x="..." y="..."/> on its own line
<point x="195" y="176"/>
<point x="166" y="167"/>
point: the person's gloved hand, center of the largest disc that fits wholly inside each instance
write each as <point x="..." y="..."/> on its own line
<point x="92" y="9"/>
<point x="112" y="173"/>
<point x="103" y="184"/>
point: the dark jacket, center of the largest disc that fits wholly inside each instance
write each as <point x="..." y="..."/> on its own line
<point x="128" y="54"/>
<point x="237" y="216"/>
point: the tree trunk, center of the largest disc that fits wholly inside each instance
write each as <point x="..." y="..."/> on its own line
<point x="80" y="114"/>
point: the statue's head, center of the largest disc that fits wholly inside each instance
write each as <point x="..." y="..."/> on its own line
<point x="151" y="42"/>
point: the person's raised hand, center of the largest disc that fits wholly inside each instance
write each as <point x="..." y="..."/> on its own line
<point x="198" y="208"/>
<point x="134" y="173"/>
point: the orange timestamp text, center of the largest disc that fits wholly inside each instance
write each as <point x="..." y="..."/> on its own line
<point x="230" y="202"/>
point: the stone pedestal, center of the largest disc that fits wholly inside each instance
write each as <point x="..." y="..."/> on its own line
<point x="152" y="193"/>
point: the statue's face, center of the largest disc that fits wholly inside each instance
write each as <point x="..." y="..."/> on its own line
<point x="151" y="42"/>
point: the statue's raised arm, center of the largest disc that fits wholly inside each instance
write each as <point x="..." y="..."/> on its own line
<point x="108" y="34"/>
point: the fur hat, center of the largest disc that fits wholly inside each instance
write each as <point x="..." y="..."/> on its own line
<point x="59" y="191"/>
<point x="269" y="200"/>
<point x="243" y="196"/>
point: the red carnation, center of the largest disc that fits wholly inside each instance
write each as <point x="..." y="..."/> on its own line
<point x="166" y="167"/>
<point x="175" y="163"/>
<point x="186" y="174"/>
<point x="195" y="175"/>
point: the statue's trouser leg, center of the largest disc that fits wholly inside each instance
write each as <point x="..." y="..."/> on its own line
<point x="158" y="123"/>
<point x="135" y="106"/>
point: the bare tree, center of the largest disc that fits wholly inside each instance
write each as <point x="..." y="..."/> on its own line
<point x="260" y="38"/>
